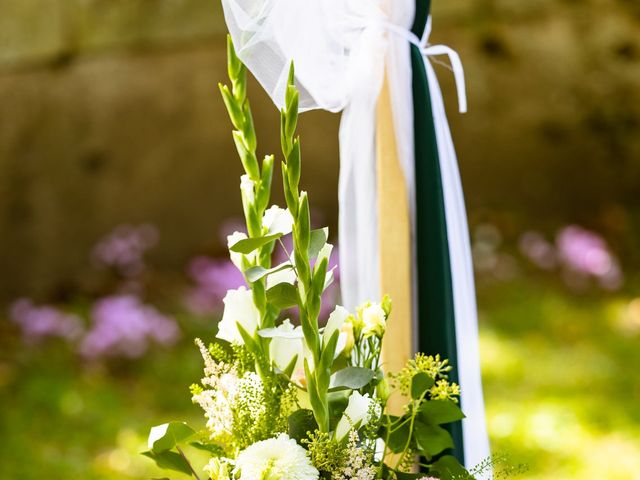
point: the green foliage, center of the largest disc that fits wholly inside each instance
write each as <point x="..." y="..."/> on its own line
<point x="301" y="424"/>
<point x="421" y="382"/>
<point x="168" y="435"/>
<point x="353" y="378"/>
<point x="249" y="245"/>
<point x="282" y="295"/>
<point x="170" y="461"/>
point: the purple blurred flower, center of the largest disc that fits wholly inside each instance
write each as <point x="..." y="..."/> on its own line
<point x="37" y="322"/>
<point x="123" y="325"/>
<point x="124" y="248"/>
<point x="212" y="278"/>
<point x="587" y="253"/>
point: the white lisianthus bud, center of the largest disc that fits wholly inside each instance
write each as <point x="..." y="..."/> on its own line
<point x="356" y="415"/>
<point x="238" y="308"/>
<point x="277" y="220"/>
<point x="374" y="320"/>
<point x="247" y="188"/>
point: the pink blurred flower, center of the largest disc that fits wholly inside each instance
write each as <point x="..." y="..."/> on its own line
<point x="38" y="322"/>
<point x="124" y="248"/>
<point x="124" y="326"/>
<point x="212" y="278"/>
<point x="586" y="253"/>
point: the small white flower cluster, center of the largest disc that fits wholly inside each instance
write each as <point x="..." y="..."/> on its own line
<point x="217" y="400"/>
<point x="359" y="465"/>
<point x="249" y="396"/>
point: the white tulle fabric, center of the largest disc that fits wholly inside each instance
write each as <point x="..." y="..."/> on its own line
<point x="341" y="49"/>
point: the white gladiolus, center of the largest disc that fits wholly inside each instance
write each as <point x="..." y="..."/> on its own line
<point x="278" y="220"/>
<point x="236" y="257"/>
<point x="286" y="344"/>
<point x="238" y="308"/>
<point x="247" y="188"/>
<point x="288" y="275"/>
<point x="374" y="320"/>
<point x="335" y="321"/>
<point x="356" y="415"/>
<point x="275" y="459"/>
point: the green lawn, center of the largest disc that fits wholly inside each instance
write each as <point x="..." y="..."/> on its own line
<point x="561" y="380"/>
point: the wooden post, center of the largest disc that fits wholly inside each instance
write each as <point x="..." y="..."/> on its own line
<point x="395" y="243"/>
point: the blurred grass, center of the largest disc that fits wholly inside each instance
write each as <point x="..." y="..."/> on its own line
<point x="560" y="371"/>
<point x="561" y="380"/>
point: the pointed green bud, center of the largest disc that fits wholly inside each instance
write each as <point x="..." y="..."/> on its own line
<point x="248" y="128"/>
<point x="303" y="222"/>
<point x="248" y="158"/>
<point x="235" y="113"/>
<point x="293" y="165"/>
<point x="264" y="189"/>
<point x="234" y="65"/>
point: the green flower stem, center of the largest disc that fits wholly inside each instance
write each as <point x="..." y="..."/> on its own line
<point x="256" y="195"/>
<point x="310" y="280"/>
<point x="414" y="414"/>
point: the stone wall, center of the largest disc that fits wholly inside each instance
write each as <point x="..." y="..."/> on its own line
<point x="110" y="114"/>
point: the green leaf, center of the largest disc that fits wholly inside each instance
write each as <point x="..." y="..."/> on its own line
<point x="420" y="383"/>
<point x="168" y="435"/>
<point x="301" y="422"/>
<point x="447" y="467"/>
<point x="438" y="412"/>
<point x="248" y="245"/>
<point x="431" y="439"/>
<point x="248" y="340"/>
<point x="254" y="274"/>
<point x="351" y="377"/>
<point x="169" y="461"/>
<point x="282" y="295"/>
<point x="317" y="240"/>
<point x="216" y="450"/>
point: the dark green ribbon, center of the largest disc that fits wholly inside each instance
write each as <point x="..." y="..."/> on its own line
<point x="436" y="316"/>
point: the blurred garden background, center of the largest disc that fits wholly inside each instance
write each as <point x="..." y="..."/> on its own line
<point x="118" y="184"/>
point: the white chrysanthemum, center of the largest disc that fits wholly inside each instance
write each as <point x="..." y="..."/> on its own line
<point x="276" y="458"/>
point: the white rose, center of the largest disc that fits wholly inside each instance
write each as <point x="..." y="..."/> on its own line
<point x="356" y="415"/>
<point x="374" y="320"/>
<point x="277" y="220"/>
<point x="238" y="308"/>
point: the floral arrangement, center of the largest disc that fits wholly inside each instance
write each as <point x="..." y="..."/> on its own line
<point x="303" y="402"/>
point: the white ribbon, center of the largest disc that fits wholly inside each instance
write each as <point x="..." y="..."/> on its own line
<point x="341" y="49"/>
